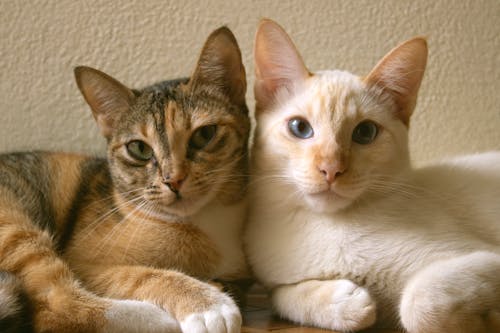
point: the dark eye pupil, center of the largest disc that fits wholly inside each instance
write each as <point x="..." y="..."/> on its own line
<point x="140" y="150"/>
<point x="141" y="146"/>
<point x="365" y="132"/>
<point x="300" y="128"/>
<point x="207" y="132"/>
<point x="202" y="136"/>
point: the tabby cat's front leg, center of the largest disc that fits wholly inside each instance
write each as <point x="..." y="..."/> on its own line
<point x="58" y="301"/>
<point x="334" y="304"/>
<point x="198" y="306"/>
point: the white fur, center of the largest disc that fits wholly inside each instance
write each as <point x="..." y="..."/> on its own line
<point x="222" y="318"/>
<point x="136" y="316"/>
<point x="343" y="306"/>
<point x="421" y="243"/>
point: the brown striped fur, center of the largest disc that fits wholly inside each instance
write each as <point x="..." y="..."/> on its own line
<point x="77" y="232"/>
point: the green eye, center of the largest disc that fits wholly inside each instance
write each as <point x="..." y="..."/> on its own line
<point x="202" y="136"/>
<point x="139" y="150"/>
<point x="365" y="132"/>
<point x="300" y="128"/>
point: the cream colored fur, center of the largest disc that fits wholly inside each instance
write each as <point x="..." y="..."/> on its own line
<point x="417" y="248"/>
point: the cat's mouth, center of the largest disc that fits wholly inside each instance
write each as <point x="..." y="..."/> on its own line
<point x="179" y="205"/>
<point x="327" y="194"/>
<point x="327" y="200"/>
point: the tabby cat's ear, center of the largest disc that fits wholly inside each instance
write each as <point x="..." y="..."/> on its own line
<point x="400" y="73"/>
<point x="278" y="65"/>
<point x="107" y="97"/>
<point x="220" y="66"/>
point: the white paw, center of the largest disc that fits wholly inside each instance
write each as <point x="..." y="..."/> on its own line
<point x="135" y="316"/>
<point x="351" y="308"/>
<point x="220" y="318"/>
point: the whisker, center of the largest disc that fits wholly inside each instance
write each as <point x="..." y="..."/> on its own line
<point x="117" y="227"/>
<point x="89" y="229"/>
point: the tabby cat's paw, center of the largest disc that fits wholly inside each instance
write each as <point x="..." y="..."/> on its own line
<point x="220" y="318"/>
<point x="135" y="316"/>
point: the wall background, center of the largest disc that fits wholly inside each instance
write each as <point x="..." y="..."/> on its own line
<point x="142" y="42"/>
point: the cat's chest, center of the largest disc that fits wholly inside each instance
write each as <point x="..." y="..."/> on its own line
<point x="284" y="249"/>
<point x="207" y="246"/>
<point x="223" y="224"/>
<point x="290" y="247"/>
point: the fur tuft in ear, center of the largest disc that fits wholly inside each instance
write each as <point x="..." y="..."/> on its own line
<point x="220" y="66"/>
<point x="400" y="73"/>
<point x="107" y="97"/>
<point x="278" y="64"/>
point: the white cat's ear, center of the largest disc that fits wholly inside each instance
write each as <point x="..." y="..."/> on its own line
<point x="400" y="73"/>
<point x="278" y="64"/>
<point x="107" y="97"/>
<point x="220" y="66"/>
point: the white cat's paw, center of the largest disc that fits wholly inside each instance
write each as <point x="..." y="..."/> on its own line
<point x="220" y="318"/>
<point x="351" y="307"/>
<point x="135" y="316"/>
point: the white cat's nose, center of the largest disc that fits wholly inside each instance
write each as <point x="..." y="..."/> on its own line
<point x="331" y="171"/>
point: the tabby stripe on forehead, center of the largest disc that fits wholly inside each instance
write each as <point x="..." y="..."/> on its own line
<point x="90" y="170"/>
<point x="159" y="120"/>
<point x="211" y="100"/>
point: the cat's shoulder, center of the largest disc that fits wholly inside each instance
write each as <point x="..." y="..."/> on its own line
<point x="479" y="164"/>
<point x="482" y="161"/>
<point x="41" y="155"/>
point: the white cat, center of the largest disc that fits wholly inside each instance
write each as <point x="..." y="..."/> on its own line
<point x="342" y="230"/>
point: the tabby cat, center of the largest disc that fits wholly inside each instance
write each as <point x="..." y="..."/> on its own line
<point x="342" y="229"/>
<point x="133" y="242"/>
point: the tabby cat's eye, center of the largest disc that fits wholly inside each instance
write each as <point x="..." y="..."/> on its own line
<point x="202" y="136"/>
<point x="365" y="132"/>
<point x="300" y="128"/>
<point x="140" y="150"/>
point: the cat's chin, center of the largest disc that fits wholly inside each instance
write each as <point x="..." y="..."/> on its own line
<point x="178" y="211"/>
<point x="181" y="209"/>
<point x="327" y="202"/>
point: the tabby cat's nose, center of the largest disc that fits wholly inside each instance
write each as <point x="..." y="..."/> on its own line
<point x="174" y="183"/>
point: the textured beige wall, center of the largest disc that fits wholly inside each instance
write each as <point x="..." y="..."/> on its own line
<point x="142" y="42"/>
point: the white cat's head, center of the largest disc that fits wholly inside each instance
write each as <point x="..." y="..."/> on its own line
<point x="332" y="136"/>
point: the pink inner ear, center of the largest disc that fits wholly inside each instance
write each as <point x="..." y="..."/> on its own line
<point x="400" y="73"/>
<point x="278" y="65"/>
<point x="106" y="96"/>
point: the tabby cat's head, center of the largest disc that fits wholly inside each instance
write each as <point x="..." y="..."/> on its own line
<point x="175" y="146"/>
<point x="334" y="136"/>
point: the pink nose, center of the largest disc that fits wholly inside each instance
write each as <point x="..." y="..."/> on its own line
<point x="331" y="171"/>
<point x="174" y="183"/>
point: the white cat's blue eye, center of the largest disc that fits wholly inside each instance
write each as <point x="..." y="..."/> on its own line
<point x="365" y="132"/>
<point x="202" y="136"/>
<point x="300" y="128"/>
<point x="140" y="150"/>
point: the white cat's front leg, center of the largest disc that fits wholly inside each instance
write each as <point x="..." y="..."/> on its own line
<point x="333" y="304"/>
<point x="460" y="295"/>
